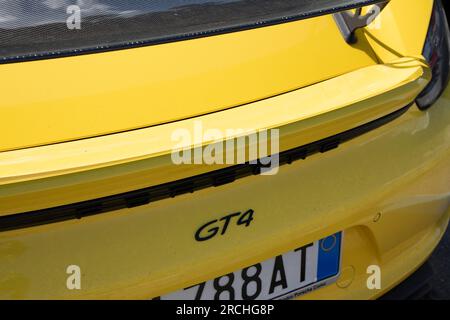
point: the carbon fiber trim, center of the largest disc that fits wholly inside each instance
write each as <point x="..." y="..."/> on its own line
<point x="38" y="29"/>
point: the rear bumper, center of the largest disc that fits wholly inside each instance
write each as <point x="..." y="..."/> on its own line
<point x="388" y="191"/>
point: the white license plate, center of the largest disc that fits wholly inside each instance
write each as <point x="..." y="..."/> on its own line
<point x="283" y="277"/>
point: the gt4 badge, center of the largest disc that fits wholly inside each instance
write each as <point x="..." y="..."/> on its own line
<point x="213" y="228"/>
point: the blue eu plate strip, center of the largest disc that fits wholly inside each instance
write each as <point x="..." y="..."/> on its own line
<point x="329" y="256"/>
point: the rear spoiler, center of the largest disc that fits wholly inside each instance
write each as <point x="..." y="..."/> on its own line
<point x="349" y="22"/>
<point x="45" y="31"/>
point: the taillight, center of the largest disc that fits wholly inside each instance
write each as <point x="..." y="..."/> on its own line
<point x="437" y="53"/>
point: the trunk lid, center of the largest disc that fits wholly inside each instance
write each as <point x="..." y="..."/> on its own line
<point x="56" y="100"/>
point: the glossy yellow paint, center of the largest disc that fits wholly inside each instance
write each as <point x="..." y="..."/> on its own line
<point x="303" y="116"/>
<point x="400" y="30"/>
<point x="398" y="172"/>
<point x="85" y="96"/>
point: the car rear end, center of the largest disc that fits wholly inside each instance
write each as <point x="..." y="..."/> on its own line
<point x="105" y="188"/>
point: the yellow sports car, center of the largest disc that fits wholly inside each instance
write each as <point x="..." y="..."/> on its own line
<point x="221" y="149"/>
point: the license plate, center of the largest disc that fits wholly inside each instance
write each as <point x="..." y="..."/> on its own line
<point x="284" y="277"/>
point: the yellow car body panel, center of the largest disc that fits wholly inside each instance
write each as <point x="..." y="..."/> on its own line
<point x="401" y="172"/>
<point x="128" y="89"/>
<point x="406" y="34"/>
<point x="144" y="156"/>
<point x="387" y="190"/>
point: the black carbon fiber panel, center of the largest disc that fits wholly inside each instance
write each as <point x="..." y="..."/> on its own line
<point x="34" y="29"/>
